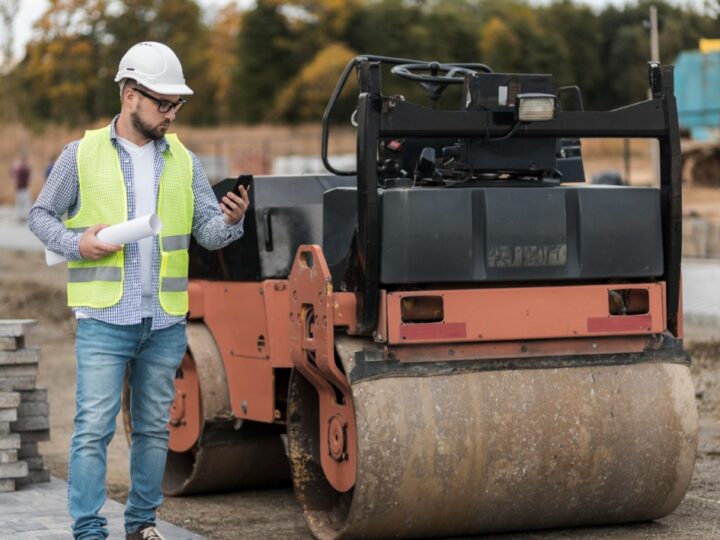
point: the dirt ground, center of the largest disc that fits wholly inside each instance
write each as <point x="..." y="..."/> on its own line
<point x="274" y="514"/>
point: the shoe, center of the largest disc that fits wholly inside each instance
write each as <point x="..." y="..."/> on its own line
<point x="146" y="531"/>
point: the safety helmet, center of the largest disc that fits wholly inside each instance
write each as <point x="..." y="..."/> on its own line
<point x="155" y="66"/>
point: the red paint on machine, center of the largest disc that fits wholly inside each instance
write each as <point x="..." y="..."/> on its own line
<point x="626" y="323"/>
<point x="433" y="331"/>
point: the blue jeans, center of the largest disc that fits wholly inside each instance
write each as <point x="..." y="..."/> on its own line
<point x="104" y="351"/>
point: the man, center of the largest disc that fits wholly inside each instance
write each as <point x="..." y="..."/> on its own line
<point x="130" y="300"/>
<point x="21" y="175"/>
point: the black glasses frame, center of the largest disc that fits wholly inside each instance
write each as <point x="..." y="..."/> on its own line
<point x="163" y="104"/>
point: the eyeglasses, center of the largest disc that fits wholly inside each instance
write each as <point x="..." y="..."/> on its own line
<point x="163" y="104"/>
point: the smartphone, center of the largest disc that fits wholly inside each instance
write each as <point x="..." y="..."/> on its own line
<point x="244" y="180"/>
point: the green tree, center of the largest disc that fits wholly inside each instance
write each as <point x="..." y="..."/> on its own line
<point x="223" y="39"/>
<point x="453" y="28"/>
<point x="305" y="97"/>
<point x="390" y="28"/>
<point x="69" y="69"/>
<point x="266" y="60"/>
<point x="178" y="24"/>
<point x="578" y="33"/>
<point x="625" y="52"/>
<point x="322" y="21"/>
<point x="259" y="64"/>
<point x="500" y="46"/>
<point x="61" y="68"/>
<point x="8" y="13"/>
<point x="59" y="92"/>
<point x="399" y="29"/>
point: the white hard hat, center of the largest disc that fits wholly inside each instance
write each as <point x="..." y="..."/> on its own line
<point x="155" y="66"/>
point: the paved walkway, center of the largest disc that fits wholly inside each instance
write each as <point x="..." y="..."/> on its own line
<point x="14" y="234"/>
<point x="701" y="291"/>
<point x="39" y="512"/>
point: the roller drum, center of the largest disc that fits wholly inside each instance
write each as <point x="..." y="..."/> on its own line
<point x="509" y="450"/>
<point x="225" y="455"/>
<point x="227" y="460"/>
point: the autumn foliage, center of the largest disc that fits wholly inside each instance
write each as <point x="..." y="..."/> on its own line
<point x="278" y="61"/>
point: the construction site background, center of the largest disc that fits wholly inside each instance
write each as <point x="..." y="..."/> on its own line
<point x="254" y="149"/>
<point x="259" y="149"/>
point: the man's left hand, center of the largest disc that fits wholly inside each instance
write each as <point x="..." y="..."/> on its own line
<point x="235" y="205"/>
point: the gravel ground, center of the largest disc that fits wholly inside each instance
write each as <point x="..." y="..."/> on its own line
<point x="29" y="289"/>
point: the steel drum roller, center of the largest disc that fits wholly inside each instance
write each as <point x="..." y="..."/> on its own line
<point x="491" y="451"/>
<point x="222" y="455"/>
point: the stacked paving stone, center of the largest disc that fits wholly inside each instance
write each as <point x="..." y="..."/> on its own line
<point x="23" y="409"/>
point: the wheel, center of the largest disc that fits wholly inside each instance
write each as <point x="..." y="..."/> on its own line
<point x="209" y="451"/>
<point x="438" y="73"/>
<point x="449" y="452"/>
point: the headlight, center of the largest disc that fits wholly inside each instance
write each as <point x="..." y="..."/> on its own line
<point x="535" y="107"/>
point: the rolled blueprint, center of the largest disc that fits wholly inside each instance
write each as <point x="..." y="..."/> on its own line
<point x="122" y="233"/>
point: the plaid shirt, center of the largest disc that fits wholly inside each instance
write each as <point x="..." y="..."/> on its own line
<point x="61" y="194"/>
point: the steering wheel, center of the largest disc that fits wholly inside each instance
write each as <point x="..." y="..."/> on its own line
<point x="435" y="77"/>
<point x="438" y="73"/>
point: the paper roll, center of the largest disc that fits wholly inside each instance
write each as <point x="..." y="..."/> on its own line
<point x="122" y="233"/>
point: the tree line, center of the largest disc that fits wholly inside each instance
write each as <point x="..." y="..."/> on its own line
<point x="278" y="61"/>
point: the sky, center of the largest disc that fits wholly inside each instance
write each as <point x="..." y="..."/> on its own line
<point x="31" y="10"/>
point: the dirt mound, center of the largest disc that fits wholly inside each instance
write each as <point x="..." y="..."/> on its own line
<point x="32" y="300"/>
<point x="706" y="374"/>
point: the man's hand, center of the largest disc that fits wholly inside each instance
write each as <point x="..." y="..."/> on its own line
<point x="93" y="249"/>
<point x="234" y="206"/>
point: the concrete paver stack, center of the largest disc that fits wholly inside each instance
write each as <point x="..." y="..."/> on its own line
<point x="10" y="467"/>
<point x="23" y="409"/>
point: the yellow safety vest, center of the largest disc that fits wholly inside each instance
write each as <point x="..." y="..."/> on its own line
<point x="103" y="199"/>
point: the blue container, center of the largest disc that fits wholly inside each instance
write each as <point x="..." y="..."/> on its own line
<point x="697" y="87"/>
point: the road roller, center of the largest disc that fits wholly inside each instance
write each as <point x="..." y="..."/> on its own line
<point x="458" y="337"/>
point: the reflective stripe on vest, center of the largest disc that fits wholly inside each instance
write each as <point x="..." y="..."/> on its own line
<point x="103" y="199"/>
<point x="170" y="284"/>
<point x="172" y="243"/>
<point x="97" y="273"/>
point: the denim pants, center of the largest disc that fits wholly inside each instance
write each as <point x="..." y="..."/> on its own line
<point x="104" y="351"/>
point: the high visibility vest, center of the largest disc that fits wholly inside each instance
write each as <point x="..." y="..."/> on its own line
<point x="103" y="199"/>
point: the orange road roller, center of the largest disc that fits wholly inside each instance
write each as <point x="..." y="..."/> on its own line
<point x="460" y="336"/>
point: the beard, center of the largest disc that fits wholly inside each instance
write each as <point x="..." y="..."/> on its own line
<point x="154" y="133"/>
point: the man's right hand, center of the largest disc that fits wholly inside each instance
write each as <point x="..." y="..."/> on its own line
<point x="93" y="249"/>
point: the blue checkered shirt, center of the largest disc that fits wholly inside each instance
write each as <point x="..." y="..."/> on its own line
<point x="61" y="194"/>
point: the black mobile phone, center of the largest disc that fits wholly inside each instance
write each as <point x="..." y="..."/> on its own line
<point x="244" y="180"/>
